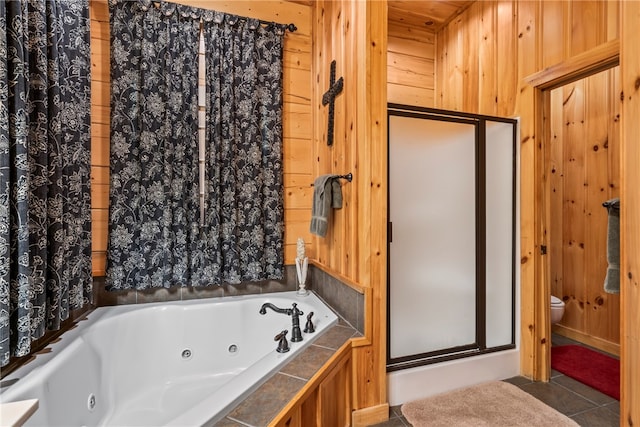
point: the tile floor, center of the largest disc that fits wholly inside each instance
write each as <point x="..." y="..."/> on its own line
<point x="586" y="406"/>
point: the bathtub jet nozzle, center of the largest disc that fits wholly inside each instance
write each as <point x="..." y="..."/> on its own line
<point x="295" y="313"/>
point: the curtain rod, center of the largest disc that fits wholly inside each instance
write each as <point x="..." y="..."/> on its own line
<point x="291" y="27"/>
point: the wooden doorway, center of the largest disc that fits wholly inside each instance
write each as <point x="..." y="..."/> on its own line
<point x="586" y="64"/>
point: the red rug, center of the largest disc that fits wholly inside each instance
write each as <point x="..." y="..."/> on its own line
<point x="594" y="369"/>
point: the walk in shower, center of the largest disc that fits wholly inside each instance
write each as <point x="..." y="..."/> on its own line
<point x="452" y="231"/>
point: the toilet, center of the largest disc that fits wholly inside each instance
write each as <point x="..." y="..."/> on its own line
<point x="557" y="309"/>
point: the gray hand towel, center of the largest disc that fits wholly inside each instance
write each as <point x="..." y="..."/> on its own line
<point x="612" y="278"/>
<point x="327" y="194"/>
<point x="336" y="193"/>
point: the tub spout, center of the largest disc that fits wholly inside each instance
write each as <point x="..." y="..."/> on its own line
<point x="263" y="309"/>
<point x="295" y="313"/>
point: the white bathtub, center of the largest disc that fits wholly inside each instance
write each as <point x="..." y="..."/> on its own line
<point x="183" y="363"/>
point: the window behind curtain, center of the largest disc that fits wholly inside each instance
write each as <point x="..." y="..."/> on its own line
<point x="222" y="221"/>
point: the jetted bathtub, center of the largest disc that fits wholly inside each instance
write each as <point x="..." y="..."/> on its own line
<point x="183" y="363"/>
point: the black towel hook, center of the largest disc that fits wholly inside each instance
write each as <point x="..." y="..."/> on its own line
<point x="612" y="203"/>
<point x="348" y="177"/>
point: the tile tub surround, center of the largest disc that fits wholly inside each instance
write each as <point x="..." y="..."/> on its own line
<point x="345" y="300"/>
<point x="103" y="297"/>
<point x="342" y="298"/>
<point x="259" y="408"/>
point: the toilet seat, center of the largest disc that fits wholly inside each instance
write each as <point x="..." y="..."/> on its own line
<point x="556" y="301"/>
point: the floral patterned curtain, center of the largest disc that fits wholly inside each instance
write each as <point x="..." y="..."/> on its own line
<point x="45" y="211"/>
<point x="156" y="235"/>
<point x="154" y="200"/>
<point x="244" y="209"/>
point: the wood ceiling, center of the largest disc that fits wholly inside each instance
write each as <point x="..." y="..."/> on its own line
<point x="431" y="14"/>
<point x="428" y="14"/>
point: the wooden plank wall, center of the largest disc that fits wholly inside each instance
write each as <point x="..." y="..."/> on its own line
<point x="517" y="39"/>
<point x="410" y="65"/>
<point x="100" y="120"/>
<point x="354" y="248"/>
<point x="478" y="50"/>
<point x="629" y="217"/>
<point x="584" y="172"/>
<point x="338" y="249"/>
<point x="297" y="121"/>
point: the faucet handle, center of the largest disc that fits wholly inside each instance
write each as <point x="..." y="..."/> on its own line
<point x="283" y="344"/>
<point x="295" y="311"/>
<point x="308" y="327"/>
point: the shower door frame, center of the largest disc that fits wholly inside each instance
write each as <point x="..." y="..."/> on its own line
<point x="479" y="346"/>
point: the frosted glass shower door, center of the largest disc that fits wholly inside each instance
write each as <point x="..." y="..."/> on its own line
<point x="499" y="204"/>
<point x="432" y="254"/>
